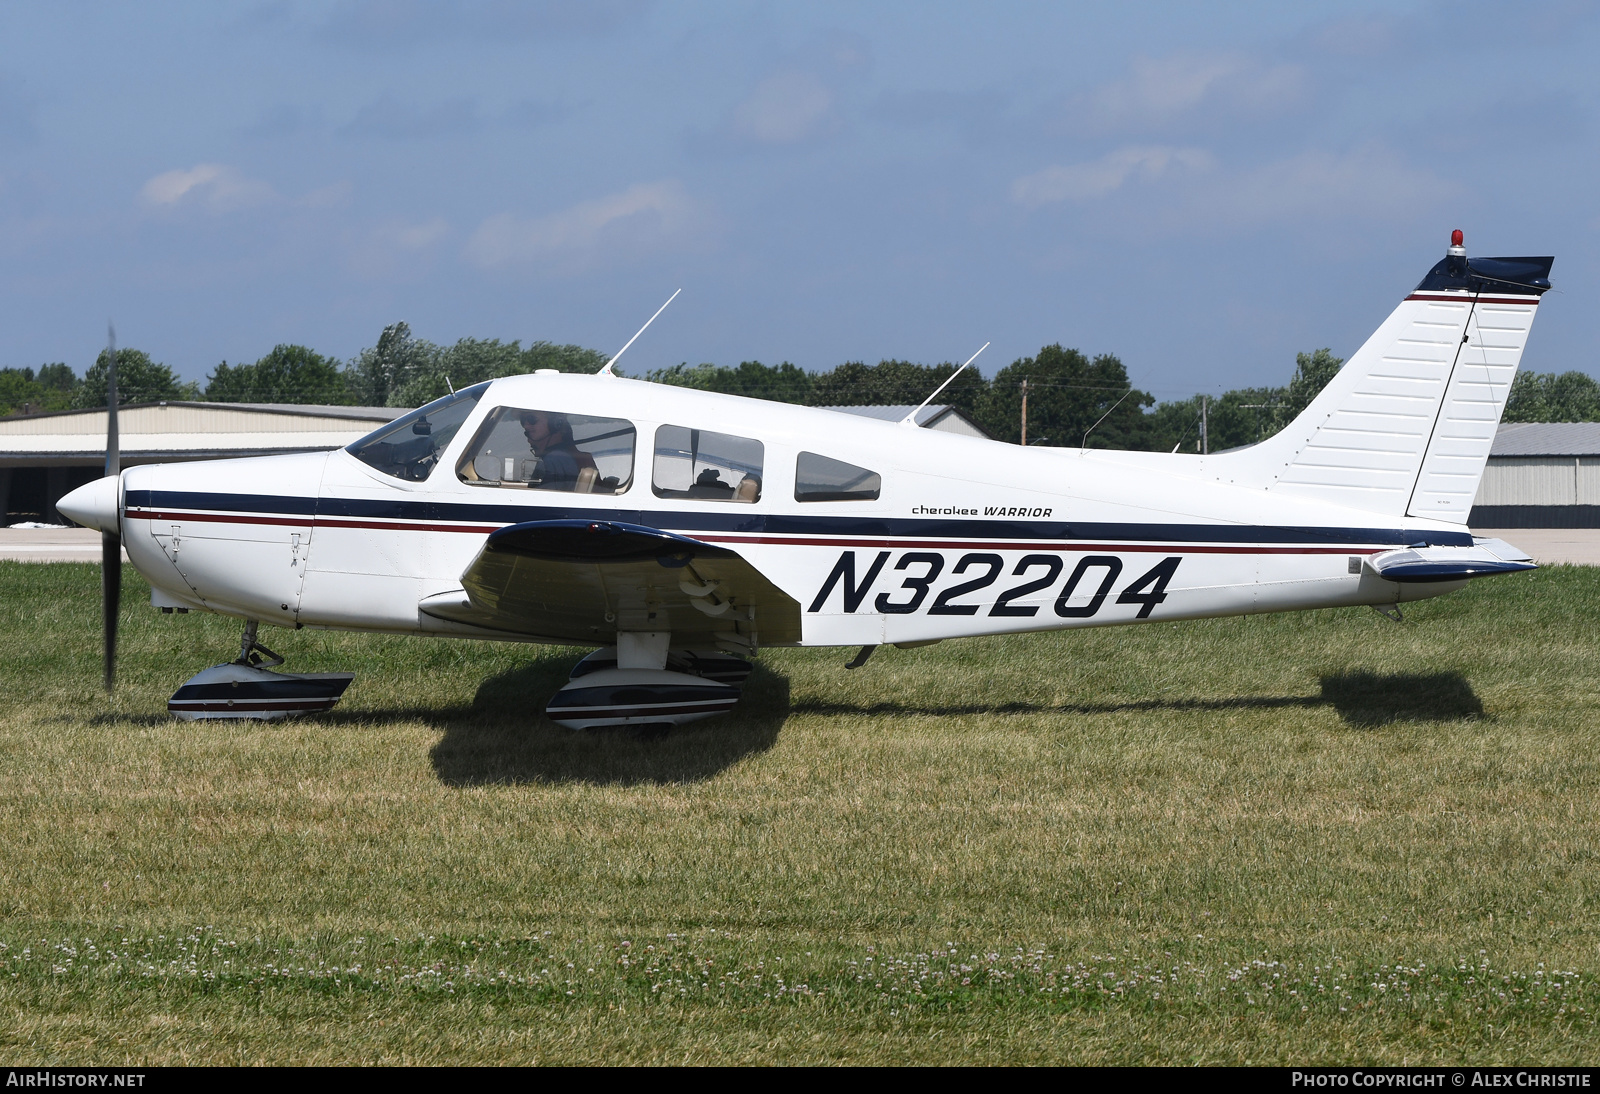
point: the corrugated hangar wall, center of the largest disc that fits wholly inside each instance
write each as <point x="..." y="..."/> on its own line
<point x="1541" y="480"/>
<point x="1541" y="475"/>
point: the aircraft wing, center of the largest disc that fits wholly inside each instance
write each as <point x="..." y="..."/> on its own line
<point x="583" y="581"/>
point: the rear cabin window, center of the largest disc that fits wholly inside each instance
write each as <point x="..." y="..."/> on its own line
<point x="821" y="478"/>
<point x="531" y="449"/>
<point x="409" y="447"/>
<point x="706" y="466"/>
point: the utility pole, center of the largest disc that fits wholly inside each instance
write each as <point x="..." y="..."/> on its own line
<point x="1024" y="414"/>
<point x="1205" y="437"/>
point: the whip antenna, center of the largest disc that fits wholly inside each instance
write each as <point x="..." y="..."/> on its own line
<point x="1103" y="417"/>
<point x="911" y="419"/>
<point x="607" y="370"/>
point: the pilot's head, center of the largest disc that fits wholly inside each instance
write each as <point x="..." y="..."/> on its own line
<point x="545" y="430"/>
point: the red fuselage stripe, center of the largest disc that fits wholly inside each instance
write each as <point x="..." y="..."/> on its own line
<point x="1043" y="545"/>
<point x="1468" y="298"/>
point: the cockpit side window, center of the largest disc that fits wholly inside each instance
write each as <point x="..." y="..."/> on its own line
<point x="531" y="449"/>
<point x="707" y="466"/>
<point x="409" y="447"/>
<point x="821" y="478"/>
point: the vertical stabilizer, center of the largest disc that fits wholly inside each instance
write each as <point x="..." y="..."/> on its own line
<point x="1405" y="427"/>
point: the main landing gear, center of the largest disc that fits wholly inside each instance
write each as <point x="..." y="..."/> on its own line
<point x="641" y="682"/>
<point x="246" y="688"/>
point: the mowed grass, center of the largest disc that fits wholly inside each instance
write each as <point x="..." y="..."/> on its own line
<point x="1313" y="837"/>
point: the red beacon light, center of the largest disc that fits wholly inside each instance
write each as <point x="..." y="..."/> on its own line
<point x="1456" y="244"/>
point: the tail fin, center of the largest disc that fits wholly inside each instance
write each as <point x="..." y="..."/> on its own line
<point x="1405" y="428"/>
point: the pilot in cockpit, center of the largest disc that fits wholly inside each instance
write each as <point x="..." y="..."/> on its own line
<point x="549" y="436"/>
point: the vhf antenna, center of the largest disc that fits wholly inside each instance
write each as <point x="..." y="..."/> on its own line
<point x="607" y="370"/>
<point x="911" y="419"/>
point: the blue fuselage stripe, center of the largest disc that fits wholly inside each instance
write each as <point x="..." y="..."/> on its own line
<point x="755" y="523"/>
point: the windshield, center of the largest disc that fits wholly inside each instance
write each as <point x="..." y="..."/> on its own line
<point x="409" y="447"/>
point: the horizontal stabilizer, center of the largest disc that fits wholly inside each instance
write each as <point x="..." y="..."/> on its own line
<point x="1430" y="564"/>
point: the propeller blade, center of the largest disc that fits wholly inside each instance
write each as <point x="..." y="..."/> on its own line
<point x="111" y="542"/>
<point x="113" y="443"/>
<point x="110" y="599"/>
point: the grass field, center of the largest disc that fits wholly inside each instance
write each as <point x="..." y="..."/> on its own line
<point x="1318" y="837"/>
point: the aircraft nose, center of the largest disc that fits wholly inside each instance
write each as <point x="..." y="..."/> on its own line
<point x="95" y="504"/>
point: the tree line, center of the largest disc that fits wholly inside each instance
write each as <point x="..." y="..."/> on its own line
<point x="1070" y="398"/>
<point x="1075" y="400"/>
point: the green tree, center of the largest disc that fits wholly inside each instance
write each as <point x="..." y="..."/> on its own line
<point x="289" y="374"/>
<point x="1067" y="394"/>
<point x="377" y="375"/>
<point x="26" y="392"/>
<point x="139" y="380"/>
<point x="1547" y="397"/>
<point x="1245" y="415"/>
<point x="783" y="383"/>
<point x="899" y="383"/>
<point x="403" y="370"/>
<point x="436" y="370"/>
<point x="1233" y="419"/>
<point x="57" y="377"/>
<point x="1312" y="372"/>
<point x="562" y="358"/>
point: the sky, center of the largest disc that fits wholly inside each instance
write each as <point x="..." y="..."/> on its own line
<point x="1202" y="190"/>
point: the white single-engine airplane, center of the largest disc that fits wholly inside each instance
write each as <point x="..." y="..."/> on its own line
<point x="678" y="531"/>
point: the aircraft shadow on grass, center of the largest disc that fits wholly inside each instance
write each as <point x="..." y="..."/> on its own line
<point x="501" y="738"/>
<point x="505" y="738"/>
<point x="1362" y="699"/>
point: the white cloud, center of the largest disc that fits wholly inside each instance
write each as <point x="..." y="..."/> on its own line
<point x="1160" y="91"/>
<point x="215" y="186"/>
<point x="414" y="237"/>
<point x="1097" y="178"/>
<point x="397" y="250"/>
<point x="785" y="108"/>
<point x="1370" y="182"/>
<point x="643" y="216"/>
<point x="328" y="197"/>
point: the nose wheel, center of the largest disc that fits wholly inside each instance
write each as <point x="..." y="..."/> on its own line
<point x="247" y="688"/>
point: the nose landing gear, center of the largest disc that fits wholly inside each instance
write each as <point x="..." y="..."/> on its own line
<point x="246" y="688"/>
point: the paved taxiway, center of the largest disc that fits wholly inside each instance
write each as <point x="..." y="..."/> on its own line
<point x="51" y="545"/>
